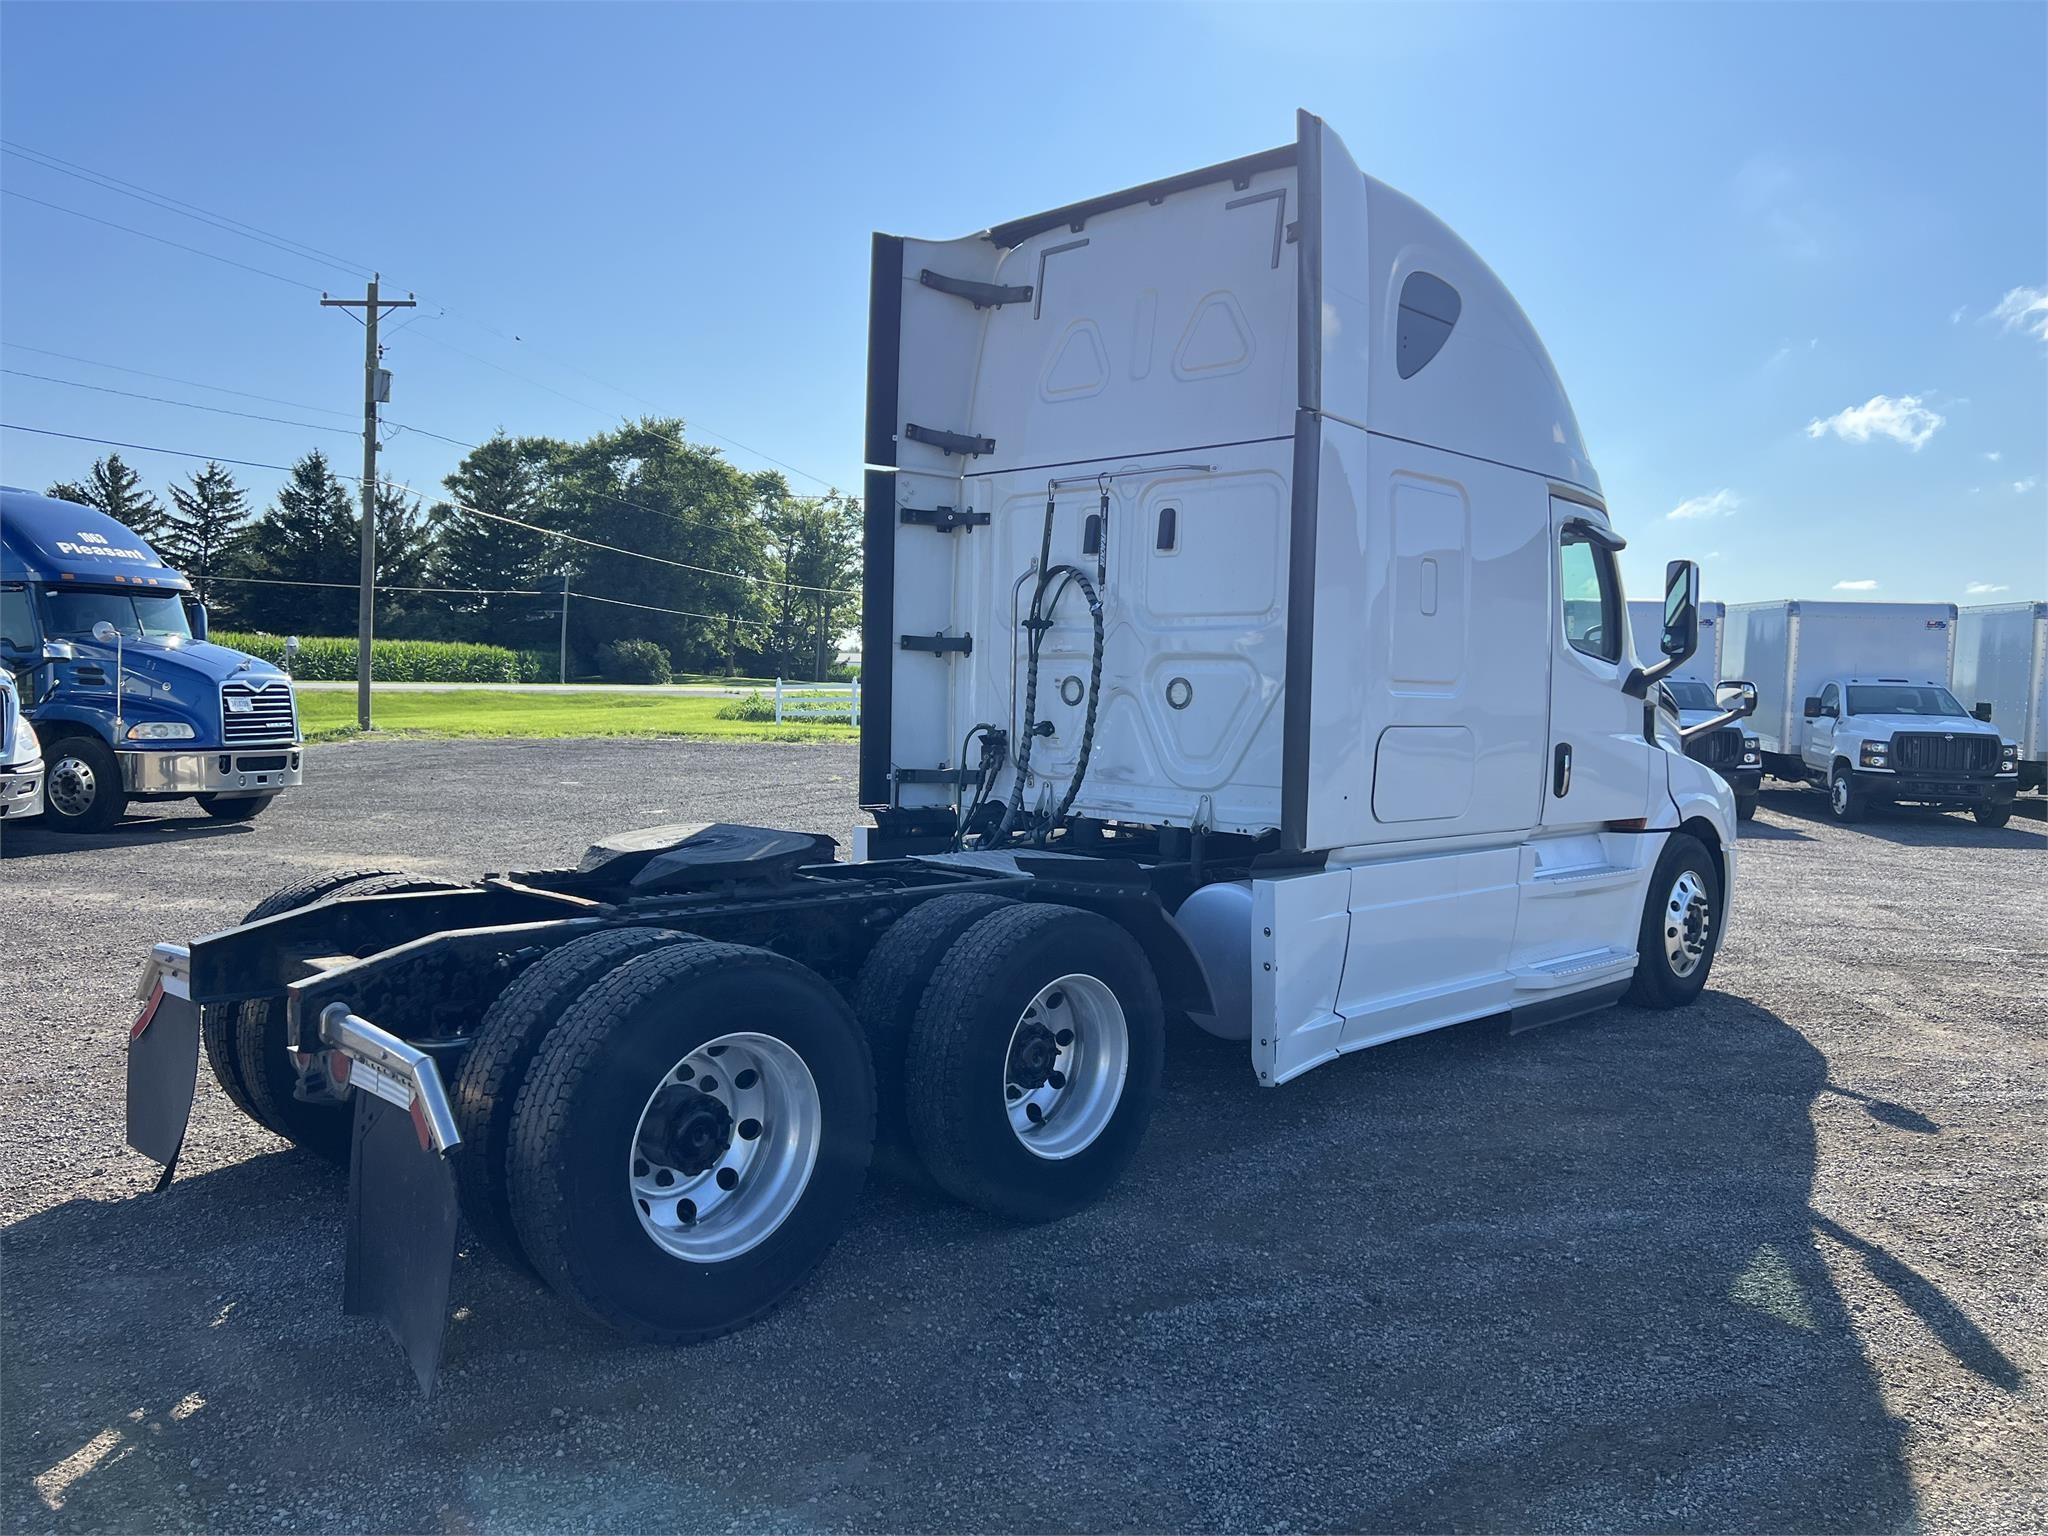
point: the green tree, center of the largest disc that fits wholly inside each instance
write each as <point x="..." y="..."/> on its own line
<point x="206" y="521"/>
<point x="506" y="478"/>
<point x="116" y="490"/>
<point x="813" y="563"/>
<point x="309" y="535"/>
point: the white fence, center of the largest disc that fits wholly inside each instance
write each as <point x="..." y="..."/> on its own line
<point x="817" y="701"/>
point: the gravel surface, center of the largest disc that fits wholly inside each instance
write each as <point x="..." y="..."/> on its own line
<point x="1770" y="1263"/>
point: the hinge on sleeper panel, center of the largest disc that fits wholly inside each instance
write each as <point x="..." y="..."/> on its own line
<point x="963" y="443"/>
<point x="944" y="519"/>
<point x="940" y="645"/>
<point x="981" y="295"/>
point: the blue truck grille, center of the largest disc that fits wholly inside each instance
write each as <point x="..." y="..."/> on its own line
<point x="1924" y="752"/>
<point x="257" y="714"/>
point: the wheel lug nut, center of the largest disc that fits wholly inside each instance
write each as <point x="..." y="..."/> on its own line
<point x="1057" y="1079"/>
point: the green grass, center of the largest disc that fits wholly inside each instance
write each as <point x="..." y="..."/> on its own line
<point x="328" y="716"/>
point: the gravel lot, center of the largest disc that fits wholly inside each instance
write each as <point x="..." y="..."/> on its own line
<point x="1771" y="1263"/>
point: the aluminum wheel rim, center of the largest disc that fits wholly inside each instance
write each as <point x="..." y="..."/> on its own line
<point x="1064" y="1070"/>
<point x="1841" y="793"/>
<point x="1688" y="924"/>
<point x="71" y="786"/>
<point x="707" y="1195"/>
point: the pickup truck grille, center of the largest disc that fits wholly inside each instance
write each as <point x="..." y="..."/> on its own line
<point x="1925" y="752"/>
<point x="1717" y="749"/>
<point x="268" y="716"/>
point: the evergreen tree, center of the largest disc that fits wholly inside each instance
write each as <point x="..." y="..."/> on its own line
<point x="310" y="534"/>
<point x="207" y="519"/>
<point x="509" y="479"/>
<point x="117" y="490"/>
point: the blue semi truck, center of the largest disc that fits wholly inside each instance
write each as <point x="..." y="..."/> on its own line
<point x="131" y="701"/>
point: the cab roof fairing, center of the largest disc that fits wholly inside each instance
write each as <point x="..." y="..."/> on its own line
<point x="46" y="539"/>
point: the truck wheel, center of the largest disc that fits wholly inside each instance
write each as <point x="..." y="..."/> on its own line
<point x="691" y="1139"/>
<point x="891" y="985"/>
<point x="1845" y="800"/>
<point x="82" y="788"/>
<point x="1681" y="926"/>
<point x="262" y="1060"/>
<point x="1745" y="807"/>
<point x="1034" y="1061"/>
<point x="234" y="807"/>
<point x="1992" y="815"/>
<point x="487" y="1088"/>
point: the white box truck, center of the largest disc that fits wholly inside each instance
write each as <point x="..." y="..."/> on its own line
<point x="1245" y="639"/>
<point x="1646" y="624"/>
<point x="2001" y="659"/>
<point x="1854" y="698"/>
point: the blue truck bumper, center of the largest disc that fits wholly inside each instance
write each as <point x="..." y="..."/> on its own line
<point x="262" y="771"/>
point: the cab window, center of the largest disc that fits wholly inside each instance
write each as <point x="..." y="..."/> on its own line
<point x="1831" y="698"/>
<point x="17" y="619"/>
<point x="1592" y="597"/>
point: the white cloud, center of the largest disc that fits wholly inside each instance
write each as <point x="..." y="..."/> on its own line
<point x="1856" y="586"/>
<point x="2023" y="309"/>
<point x="1903" y="420"/>
<point x="1994" y="456"/>
<point x="1984" y="588"/>
<point x="2021" y="487"/>
<point x="1955" y="316"/>
<point x="1717" y="504"/>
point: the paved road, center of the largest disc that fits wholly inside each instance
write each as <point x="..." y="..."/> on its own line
<point x="1770" y="1263"/>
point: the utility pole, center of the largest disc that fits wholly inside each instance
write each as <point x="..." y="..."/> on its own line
<point x="565" y="624"/>
<point x="376" y="387"/>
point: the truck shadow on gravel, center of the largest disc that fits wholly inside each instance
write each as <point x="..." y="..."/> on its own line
<point x="1561" y="1281"/>
<point x="30" y="841"/>
<point x="1908" y="825"/>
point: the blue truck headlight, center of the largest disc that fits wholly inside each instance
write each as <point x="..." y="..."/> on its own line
<point x="1876" y="754"/>
<point x="160" y="730"/>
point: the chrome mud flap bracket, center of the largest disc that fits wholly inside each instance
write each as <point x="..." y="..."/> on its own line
<point x="401" y="1187"/>
<point x="163" y="1058"/>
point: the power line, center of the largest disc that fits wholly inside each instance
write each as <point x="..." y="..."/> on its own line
<point x="179" y="245"/>
<point x="308" y="252"/>
<point x="178" y="206"/>
<point x="279" y="581"/>
<point x="190" y="405"/>
<point x="496" y="517"/>
<point x="171" y="378"/>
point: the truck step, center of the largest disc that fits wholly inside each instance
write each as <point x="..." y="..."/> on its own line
<point x="1573" y="970"/>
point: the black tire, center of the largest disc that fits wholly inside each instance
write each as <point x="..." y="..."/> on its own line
<point x="262" y="1061"/>
<point x="572" y="1131"/>
<point x="1993" y="816"/>
<point x="217" y="1021"/>
<point x="486" y="1089"/>
<point x="97" y="775"/>
<point x="959" y="1052"/>
<point x="1657" y="982"/>
<point x="1745" y="807"/>
<point x="234" y="807"/>
<point x="1846" y="802"/>
<point x="892" y="983"/>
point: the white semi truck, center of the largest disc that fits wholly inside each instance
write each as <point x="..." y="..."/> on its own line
<point x="1853" y="698"/>
<point x="2001" y="661"/>
<point x="1246" y="642"/>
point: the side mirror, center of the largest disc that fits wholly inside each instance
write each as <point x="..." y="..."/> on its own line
<point x="105" y="633"/>
<point x="1681" y="610"/>
<point x="195" y="615"/>
<point x="1736" y="695"/>
<point x="1982" y="712"/>
<point x="1812" y="710"/>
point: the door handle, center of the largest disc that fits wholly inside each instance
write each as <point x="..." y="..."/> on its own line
<point x="1561" y="770"/>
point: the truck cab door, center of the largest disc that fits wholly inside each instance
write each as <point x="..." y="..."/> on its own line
<point x="1598" y="766"/>
<point x="1820" y="732"/>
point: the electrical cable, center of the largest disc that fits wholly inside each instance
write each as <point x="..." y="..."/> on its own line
<point x="190" y="405"/>
<point x="171" y="378"/>
<point x="129" y="229"/>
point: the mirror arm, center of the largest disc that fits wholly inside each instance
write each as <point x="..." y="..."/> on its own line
<point x="1637" y="684"/>
<point x="1726" y="717"/>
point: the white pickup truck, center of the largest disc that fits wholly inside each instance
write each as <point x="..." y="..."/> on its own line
<point x="1886" y="740"/>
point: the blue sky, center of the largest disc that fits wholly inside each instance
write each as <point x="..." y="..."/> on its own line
<point x="1766" y="245"/>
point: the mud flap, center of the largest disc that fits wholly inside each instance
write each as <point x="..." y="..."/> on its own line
<point x="163" y="1058"/>
<point x="401" y="1189"/>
